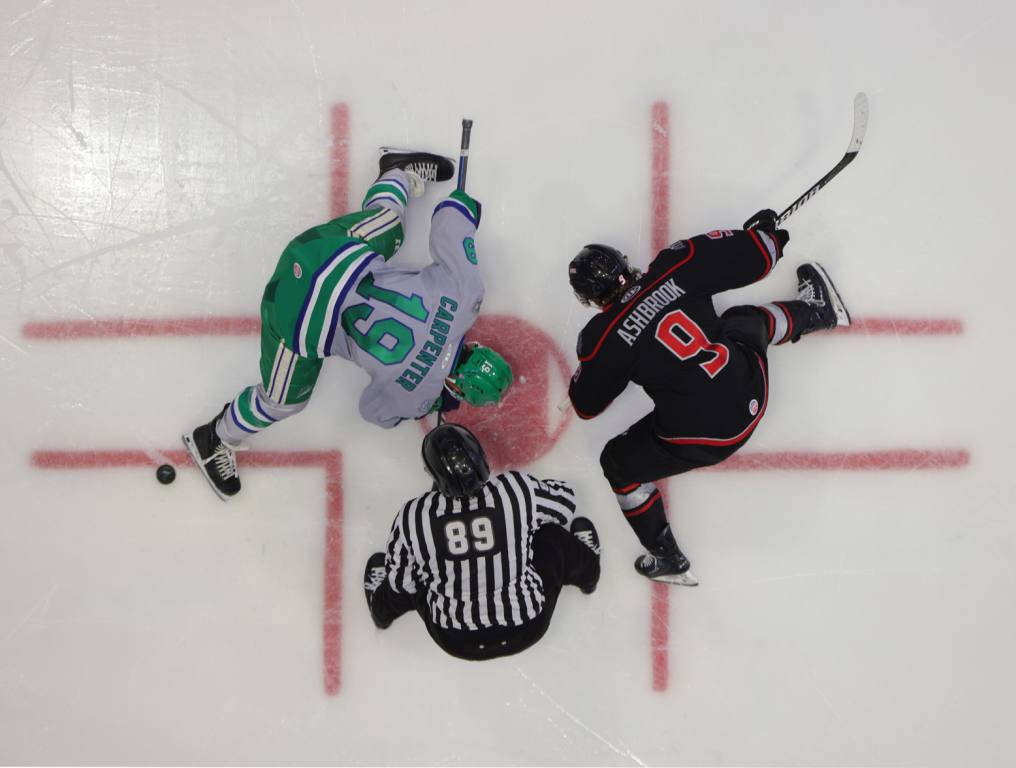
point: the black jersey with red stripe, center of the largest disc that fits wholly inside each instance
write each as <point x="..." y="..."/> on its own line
<point x="664" y="335"/>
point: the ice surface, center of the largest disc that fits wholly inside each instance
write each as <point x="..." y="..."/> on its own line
<point x="857" y="560"/>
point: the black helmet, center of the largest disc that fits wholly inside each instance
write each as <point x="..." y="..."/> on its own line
<point x="599" y="273"/>
<point x="454" y="458"/>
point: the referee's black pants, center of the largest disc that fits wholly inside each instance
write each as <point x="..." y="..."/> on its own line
<point x="558" y="557"/>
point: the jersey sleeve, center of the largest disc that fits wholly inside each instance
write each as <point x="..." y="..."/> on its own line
<point x="453" y="241"/>
<point x="555" y="502"/>
<point x="720" y="260"/>
<point x="602" y="373"/>
<point x="399" y="561"/>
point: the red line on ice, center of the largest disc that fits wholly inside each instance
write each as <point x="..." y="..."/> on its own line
<point x="659" y="609"/>
<point x="659" y="617"/>
<point x="239" y="325"/>
<point x="329" y="461"/>
<point x="340" y="159"/>
<point x="896" y="459"/>
<point x="904" y="326"/>
<point x="659" y="193"/>
<point x="66" y="330"/>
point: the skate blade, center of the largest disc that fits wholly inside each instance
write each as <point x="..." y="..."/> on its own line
<point x="686" y="579"/>
<point x="192" y="449"/>
<point x="399" y="151"/>
<point x="842" y="315"/>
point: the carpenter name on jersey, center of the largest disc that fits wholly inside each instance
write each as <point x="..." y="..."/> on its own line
<point x="432" y="349"/>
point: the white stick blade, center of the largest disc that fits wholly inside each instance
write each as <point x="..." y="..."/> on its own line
<point x="860" y="122"/>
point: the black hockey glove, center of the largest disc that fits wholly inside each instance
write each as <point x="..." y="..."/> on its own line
<point x="447" y="402"/>
<point x="765" y="221"/>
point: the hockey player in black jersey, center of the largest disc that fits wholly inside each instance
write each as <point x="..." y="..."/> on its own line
<point x="707" y="374"/>
<point x="482" y="558"/>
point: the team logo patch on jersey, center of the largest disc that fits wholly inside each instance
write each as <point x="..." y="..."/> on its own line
<point x="677" y="246"/>
<point x="753" y="407"/>
<point x="629" y="294"/>
<point x="469" y="246"/>
<point x="297" y="270"/>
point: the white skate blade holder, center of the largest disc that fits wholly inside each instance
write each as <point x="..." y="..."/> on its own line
<point x="686" y="579"/>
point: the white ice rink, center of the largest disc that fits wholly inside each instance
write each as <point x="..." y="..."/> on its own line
<point x="858" y="565"/>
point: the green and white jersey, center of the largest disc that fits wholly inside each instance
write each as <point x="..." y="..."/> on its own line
<point x="332" y="294"/>
<point x="405" y="327"/>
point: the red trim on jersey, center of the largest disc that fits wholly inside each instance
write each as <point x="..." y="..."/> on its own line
<point x="639" y="510"/>
<point x="626" y="489"/>
<point x="765" y="252"/>
<point x="790" y="322"/>
<point x="772" y="322"/>
<point x="743" y="435"/>
<point x="638" y="296"/>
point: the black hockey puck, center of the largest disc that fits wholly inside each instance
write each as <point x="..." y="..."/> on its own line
<point x="165" y="474"/>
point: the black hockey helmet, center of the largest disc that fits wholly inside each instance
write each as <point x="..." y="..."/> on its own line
<point x="599" y="273"/>
<point x="454" y="458"/>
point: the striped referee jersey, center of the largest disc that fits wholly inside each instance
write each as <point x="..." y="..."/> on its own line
<point x="471" y="557"/>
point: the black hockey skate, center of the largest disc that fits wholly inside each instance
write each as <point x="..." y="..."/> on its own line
<point x="665" y="562"/>
<point x="373" y="577"/>
<point x="419" y="166"/>
<point x="582" y="528"/>
<point x="215" y="459"/>
<point x="815" y="288"/>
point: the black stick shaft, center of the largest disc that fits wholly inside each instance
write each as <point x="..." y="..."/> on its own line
<point x="467" y="127"/>
<point x="816" y="187"/>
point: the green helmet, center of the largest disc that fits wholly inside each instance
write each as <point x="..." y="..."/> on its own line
<point x="481" y="377"/>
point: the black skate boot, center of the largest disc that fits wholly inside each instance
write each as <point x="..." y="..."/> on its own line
<point x="215" y="459"/>
<point x="373" y="577"/>
<point x="419" y="166"/>
<point x="582" y="528"/>
<point x="665" y="562"/>
<point x="815" y="288"/>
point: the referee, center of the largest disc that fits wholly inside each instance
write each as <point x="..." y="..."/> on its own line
<point x="481" y="558"/>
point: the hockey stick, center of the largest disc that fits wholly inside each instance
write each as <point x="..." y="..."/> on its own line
<point x="860" y="127"/>
<point x="467" y="127"/>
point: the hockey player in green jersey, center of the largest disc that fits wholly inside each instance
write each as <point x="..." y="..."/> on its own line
<point x="333" y="293"/>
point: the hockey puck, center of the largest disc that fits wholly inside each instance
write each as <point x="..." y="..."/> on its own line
<point x="165" y="474"/>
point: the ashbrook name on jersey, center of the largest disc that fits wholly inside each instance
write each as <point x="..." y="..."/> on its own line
<point x="646" y="309"/>
<point x="431" y="350"/>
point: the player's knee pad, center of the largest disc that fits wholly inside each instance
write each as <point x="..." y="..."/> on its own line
<point x="747" y="325"/>
<point x="610" y="465"/>
<point x="274" y="410"/>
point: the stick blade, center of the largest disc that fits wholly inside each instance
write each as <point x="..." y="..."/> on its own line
<point x="860" y="123"/>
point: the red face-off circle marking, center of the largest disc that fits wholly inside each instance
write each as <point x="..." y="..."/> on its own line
<point x="524" y="426"/>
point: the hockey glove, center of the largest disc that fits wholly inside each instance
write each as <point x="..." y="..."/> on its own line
<point x="765" y="221"/>
<point x="447" y="402"/>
